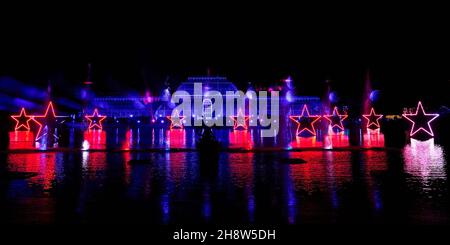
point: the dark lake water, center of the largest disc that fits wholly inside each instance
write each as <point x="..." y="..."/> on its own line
<point x="407" y="185"/>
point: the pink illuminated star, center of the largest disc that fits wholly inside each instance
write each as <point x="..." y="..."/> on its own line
<point x="372" y="119"/>
<point x="240" y="121"/>
<point x="176" y="121"/>
<point x="305" y="122"/>
<point x="22" y="120"/>
<point x="95" y="121"/>
<point x="420" y="121"/>
<point x="336" y="119"/>
<point x="48" y="119"/>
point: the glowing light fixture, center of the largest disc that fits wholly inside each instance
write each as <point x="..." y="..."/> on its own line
<point x="22" y="120"/>
<point x="420" y="120"/>
<point x="305" y="121"/>
<point x="176" y="121"/>
<point x="372" y="119"/>
<point x="46" y="119"/>
<point x="95" y="120"/>
<point x="336" y="119"/>
<point x="240" y="123"/>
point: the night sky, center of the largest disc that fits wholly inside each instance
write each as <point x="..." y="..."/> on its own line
<point x="408" y="57"/>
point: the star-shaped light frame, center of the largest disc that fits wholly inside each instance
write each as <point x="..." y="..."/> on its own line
<point x="46" y="117"/>
<point x="372" y="119"/>
<point x="176" y="121"/>
<point x="420" y="112"/>
<point x="336" y="114"/>
<point x="238" y="123"/>
<point x="310" y="125"/>
<point x="95" y="120"/>
<point x="20" y="120"/>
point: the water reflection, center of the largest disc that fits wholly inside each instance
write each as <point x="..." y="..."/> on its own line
<point x="254" y="187"/>
<point x="376" y="163"/>
<point x="424" y="160"/>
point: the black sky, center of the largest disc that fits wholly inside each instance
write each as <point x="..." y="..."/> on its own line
<point x="406" y="51"/>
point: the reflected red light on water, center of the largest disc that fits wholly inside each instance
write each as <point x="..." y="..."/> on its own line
<point x="373" y="138"/>
<point x="41" y="163"/>
<point x="94" y="139"/>
<point x="176" y="138"/>
<point x="21" y="140"/>
<point x="127" y="167"/>
<point x="240" y="139"/>
<point x="96" y="163"/>
<point x="177" y="164"/>
<point x="47" y="165"/>
<point x="376" y="163"/>
<point x="310" y="175"/>
<point x="324" y="172"/>
<point x="303" y="174"/>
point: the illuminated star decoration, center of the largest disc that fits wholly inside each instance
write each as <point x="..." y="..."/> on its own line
<point x="420" y="120"/>
<point x="176" y="120"/>
<point x="305" y="122"/>
<point x="95" y="121"/>
<point x="336" y="119"/>
<point x="22" y="120"/>
<point x="238" y="122"/>
<point x="48" y="119"/>
<point x="372" y="119"/>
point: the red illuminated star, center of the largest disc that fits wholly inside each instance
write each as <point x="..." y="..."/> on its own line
<point x="372" y="119"/>
<point x="95" y="121"/>
<point x="22" y="120"/>
<point x="420" y="120"/>
<point x="336" y="119"/>
<point x="240" y="121"/>
<point x="305" y="122"/>
<point x="176" y="120"/>
<point x="48" y="119"/>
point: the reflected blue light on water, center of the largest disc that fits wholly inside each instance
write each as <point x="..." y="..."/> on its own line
<point x="408" y="185"/>
<point x="206" y="209"/>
